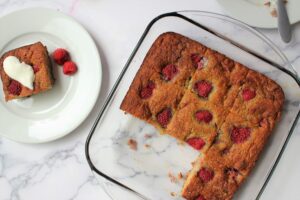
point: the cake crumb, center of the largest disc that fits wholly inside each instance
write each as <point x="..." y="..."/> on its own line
<point x="173" y="194"/>
<point x="147" y="145"/>
<point x="180" y="176"/>
<point x="147" y="136"/>
<point x="274" y="12"/>
<point x="132" y="144"/>
<point x="173" y="178"/>
<point x="180" y="142"/>
<point x="193" y="163"/>
<point x="188" y="173"/>
<point x="272" y="5"/>
<point x="268" y="3"/>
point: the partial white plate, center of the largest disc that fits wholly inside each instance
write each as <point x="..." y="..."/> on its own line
<point x="53" y="114"/>
<point x="255" y="13"/>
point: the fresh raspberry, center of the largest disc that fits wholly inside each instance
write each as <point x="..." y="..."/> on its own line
<point x="239" y="135"/>
<point x="69" y="68"/>
<point x="203" y="88"/>
<point x="196" y="143"/>
<point x="203" y="115"/>
<point x="164" y="117"/>
<point x="198" y="61"/>
<point x="35" y="69"/>
<point x="169" y="72"/>
<point x="15" y="88"/>
<point x="248" y="94"/>
<point x="206" y="175"/>
<point x="146" y="92"/>
<point x="60" y="56"/>
<point x="200" y="197"/>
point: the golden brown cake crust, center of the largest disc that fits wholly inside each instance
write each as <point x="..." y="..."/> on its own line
<point x="35" y="55"/>
<point x="217" y="105"/>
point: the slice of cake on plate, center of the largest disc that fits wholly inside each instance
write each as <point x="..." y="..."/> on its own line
<point x="26" y="71"/>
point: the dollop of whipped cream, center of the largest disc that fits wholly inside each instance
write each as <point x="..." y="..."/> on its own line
<point x="19" y="71"/>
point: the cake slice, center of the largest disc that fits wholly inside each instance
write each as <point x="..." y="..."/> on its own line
<point x="36" y="56"/>
<point x="259" y="99"/>
<point x="211" y="180"/>
<point x="232" y="157"/>
<point x="218" y="106"/>
<point x="161" y="80"/>
<point x="240" y="139"/>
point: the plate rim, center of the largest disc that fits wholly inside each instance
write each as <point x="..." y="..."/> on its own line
<point x="48" y="12"/>
<point x="225" y="4"/>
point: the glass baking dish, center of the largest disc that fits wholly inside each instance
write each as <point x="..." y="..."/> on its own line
<point x="146" y="172"/>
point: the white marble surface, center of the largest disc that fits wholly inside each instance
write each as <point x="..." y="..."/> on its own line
<point x="58" y="170"/>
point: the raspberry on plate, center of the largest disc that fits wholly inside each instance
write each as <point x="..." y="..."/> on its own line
<point x="60" y="56"/>
<point x="69" y="68"/>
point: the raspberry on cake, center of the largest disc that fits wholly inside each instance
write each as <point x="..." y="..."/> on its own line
<point x="169" y="72"/>
<point x="146" y="92"/>
<point x="15" y="88"/>
<point x="248" y="94"/>
<point x="199" y="61"/>
<point x="203" y="116"/>
<point x="196" y="142"/>
<point x="164" y="117"/>
<point x="216" y="105"/>
<point x="34" y="56"/>
<point x="203" y="88"/>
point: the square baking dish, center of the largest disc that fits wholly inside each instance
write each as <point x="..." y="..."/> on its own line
<point x="145" y="173"/>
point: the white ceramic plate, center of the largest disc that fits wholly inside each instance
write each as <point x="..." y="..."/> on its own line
<point x="53" y="114"/>
<point x="255" y="13"/>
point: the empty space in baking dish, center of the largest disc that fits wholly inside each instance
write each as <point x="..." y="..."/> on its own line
<point x="150" y="169"/>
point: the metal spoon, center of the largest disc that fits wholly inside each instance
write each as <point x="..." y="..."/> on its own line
<point x="284" y="25"/>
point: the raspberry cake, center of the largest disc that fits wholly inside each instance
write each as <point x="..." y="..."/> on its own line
<point x="216" y="105"/>
<point x="36" y="56"/>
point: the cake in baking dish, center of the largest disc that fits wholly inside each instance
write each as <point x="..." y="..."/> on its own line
<point x="218" y="106"/>
<point x="33" y="55"/>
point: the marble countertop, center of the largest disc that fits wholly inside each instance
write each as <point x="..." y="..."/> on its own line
<point x="59" y="170"/>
